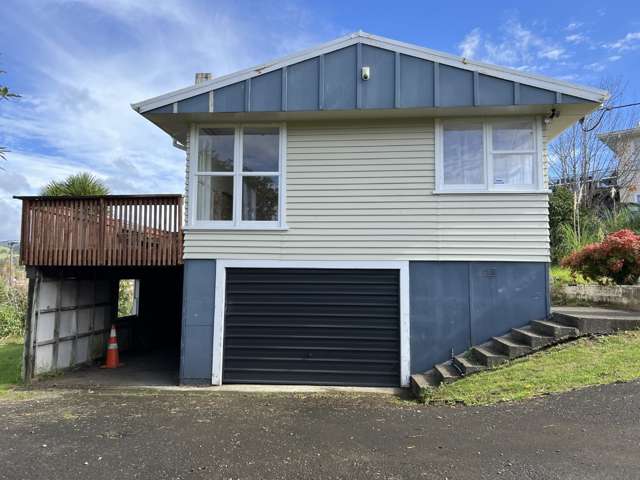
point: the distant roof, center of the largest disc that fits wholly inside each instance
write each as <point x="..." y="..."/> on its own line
<point x="629" y="132"/>
<point x="402" y="76"/>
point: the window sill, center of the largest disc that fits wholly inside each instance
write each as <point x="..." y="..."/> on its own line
<point x="242" y="228"/>
<point x="481" y="191"/>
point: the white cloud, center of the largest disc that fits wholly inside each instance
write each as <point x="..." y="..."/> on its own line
<point x="573" y="26"/>
<point x="576" y="38"/>
<point x="552" y="53"/>
<point x="614" y="58"/>
<point x="86" y="61"/>
<point x="595" y="67"/>
<point x="470" y="44"/>
<point x="515" y="45"/>
<point x="630" y="41"/>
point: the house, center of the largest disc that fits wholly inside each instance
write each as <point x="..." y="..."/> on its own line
<point x="359" y="211"/>
<point x="625" y="144"/>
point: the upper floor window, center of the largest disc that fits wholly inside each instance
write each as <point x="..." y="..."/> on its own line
<point x="497" y="155"/>
<point x="238" y="177"/>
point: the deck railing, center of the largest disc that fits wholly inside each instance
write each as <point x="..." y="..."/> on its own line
<point x="117" y="230"/>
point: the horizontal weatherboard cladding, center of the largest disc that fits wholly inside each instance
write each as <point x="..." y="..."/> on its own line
<point x="365" y="192"/>
<point x="332" y="81"/>
<point x="312" y="326"/>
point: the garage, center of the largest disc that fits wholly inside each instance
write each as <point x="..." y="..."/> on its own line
<point x="312" y="326"/>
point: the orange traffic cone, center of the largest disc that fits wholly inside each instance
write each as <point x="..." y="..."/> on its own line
<point x="113" y="358"/>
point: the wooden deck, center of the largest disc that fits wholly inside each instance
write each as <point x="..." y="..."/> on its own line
<point x="111" y="230"/>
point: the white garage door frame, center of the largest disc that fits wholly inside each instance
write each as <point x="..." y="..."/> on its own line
<point x="220" y="296"/>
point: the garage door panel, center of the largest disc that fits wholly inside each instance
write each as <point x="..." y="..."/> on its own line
<point x="315" y="364"/>
<point x="309" y="298"/>
<point x="389" y="354"/>
<point x="312" y="276"/>
<point x="316" y="309"/>
<point x="368" y="343"/>
<point x="350" y="332"/>
<point x="312" y="326"/>
<point x="301" y="320"/>
<point x="306" y="377"/>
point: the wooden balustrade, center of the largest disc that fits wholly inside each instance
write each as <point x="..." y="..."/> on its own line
<point x="117" y="230"/>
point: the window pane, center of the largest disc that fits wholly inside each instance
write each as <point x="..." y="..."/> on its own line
<point x="214" y="198"/>
<point x="260" y="150"/>
<point x="515" y="136"/>
<point x="463" y="154"/>
<point x="260" y="198"/>
<point x="215" y="150"/>
<point x="512" y="169"/>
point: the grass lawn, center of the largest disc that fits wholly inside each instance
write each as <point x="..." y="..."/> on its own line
<point x="588" y="361"/>
<point x="10" y="356"/>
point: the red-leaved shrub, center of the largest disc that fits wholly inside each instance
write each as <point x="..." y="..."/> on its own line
<point x="617" y="257"/>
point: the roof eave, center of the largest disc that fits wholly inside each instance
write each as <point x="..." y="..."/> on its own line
<point x="587" y="93"/>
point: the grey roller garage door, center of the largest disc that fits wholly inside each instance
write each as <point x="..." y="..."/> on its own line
<point x="312" y="326"/>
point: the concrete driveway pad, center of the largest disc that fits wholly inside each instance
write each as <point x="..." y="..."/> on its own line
<point x="116" y="434"/>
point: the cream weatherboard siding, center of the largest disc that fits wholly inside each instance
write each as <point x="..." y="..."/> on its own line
<point x="363" y="192"/>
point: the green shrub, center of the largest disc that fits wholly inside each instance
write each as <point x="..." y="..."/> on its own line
<point x="560" y="216"/>
<point x="617" y="258"/>
<point x="561" y="276"/>
<point x="595" y="225"/>
<point x="13" y="307"/>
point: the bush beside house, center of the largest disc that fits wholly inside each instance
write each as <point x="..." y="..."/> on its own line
<point x="616" y="258"/>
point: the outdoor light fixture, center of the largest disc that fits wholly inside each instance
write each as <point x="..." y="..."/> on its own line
<point x="366" y="73"/>
<point x="553" y="114"/>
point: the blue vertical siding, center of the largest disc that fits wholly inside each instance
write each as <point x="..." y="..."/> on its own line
<point x="456" y="87"/>
<point x="302" y="85"/>
<point x="340" y="79"/>
<point x="455" y="305"/>
<point x="333" y="81"/>
<point x="379" y="90"/>
<point x="494" y="91"/>
<point x="199" y="103"/>
<point x="229" y="98"/>
<point x="197" y="321"/>
<point x="416" y="82"/>
<point x="266" y="92"/>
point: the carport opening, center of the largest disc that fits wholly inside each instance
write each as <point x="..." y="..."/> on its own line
<point x="148" y="328"/>
<point x="73" y="314"/>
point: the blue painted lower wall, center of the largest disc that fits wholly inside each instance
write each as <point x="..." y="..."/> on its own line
<point x="196" y="346"/>
<point x="455" y="305"/>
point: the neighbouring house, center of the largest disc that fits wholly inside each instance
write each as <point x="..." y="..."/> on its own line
<point x="625" y="144"/>
<point x="354" y="213"/>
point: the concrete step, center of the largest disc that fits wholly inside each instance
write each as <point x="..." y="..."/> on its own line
<point x="511" y="346"/>
<point x="446" y="372"/>
<point x="422" y="381"/>
<point x="467" y="365"/>
<point x="593" y="320"/>
<point x="529" y="336"/>
<point x="551" y="328"/>
<point x="567" y="320"/>
<point x="486" y="354"/>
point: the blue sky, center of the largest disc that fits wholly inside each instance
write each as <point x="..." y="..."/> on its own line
<point x="79" y="64"/>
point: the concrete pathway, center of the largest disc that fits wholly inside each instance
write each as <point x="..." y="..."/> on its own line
<point x="115" y="434"/>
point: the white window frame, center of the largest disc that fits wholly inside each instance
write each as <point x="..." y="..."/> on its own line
<point x="237" y="223"/>
<point x="487" y="131"/>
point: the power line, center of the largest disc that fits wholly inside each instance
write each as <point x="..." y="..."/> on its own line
<point x="604" y="110"/>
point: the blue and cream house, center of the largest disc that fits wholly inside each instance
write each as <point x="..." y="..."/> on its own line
<point x="361" y="210"/>
<point x="353" y="214"/>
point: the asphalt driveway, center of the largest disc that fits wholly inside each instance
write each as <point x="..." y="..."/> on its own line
<point x="106" y="434"/>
